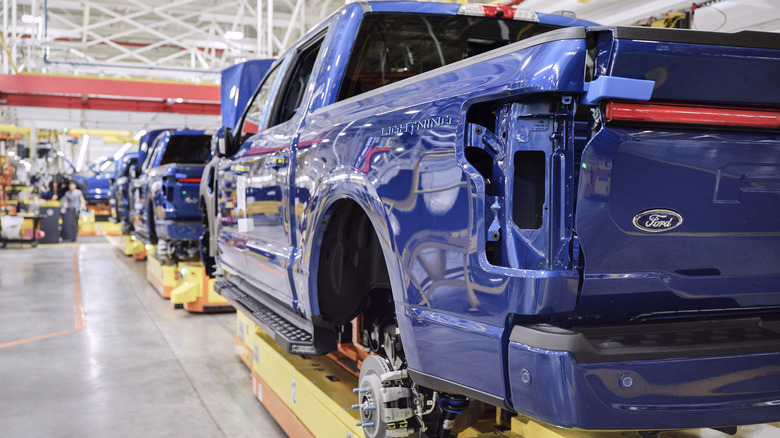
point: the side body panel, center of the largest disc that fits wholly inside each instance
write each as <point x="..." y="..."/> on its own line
<point x="120" y="188"/>
<point x="400" y="154"/>
<point x="138" y="214"/>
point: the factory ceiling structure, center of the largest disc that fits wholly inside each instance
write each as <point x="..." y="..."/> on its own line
<point x="191" y="41"/>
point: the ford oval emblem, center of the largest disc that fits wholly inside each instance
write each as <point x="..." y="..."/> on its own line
<point x="657" y="220"/>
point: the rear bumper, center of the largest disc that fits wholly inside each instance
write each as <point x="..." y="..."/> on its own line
<point x="179" y="230"/>
<point x="665" y="376"/>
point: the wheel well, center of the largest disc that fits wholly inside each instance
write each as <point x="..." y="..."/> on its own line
<point x="351" y="267"/>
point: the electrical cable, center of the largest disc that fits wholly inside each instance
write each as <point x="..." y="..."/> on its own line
<point x="725" y="19"/>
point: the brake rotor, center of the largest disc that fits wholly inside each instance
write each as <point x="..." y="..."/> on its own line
<point x="371" y="397"/>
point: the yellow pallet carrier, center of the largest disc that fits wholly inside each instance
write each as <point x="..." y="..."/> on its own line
<point x="195" y="290"/>
<point x="162" y="277"/>
<point x="312" y="397"/>
<point x="89" y="226"/>
<point x="132" y="246"/>
<point x="308" y="397"/>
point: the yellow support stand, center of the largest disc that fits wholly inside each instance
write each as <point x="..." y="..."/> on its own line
<point x="244" y="327"/>
<point x="162" y="277"/>
<point x="308" y="397"/>
<point x="107" y="229"/>
<point x="311" y="397"/>
<point x="133" y="246"/>
<point x="87" y="224"/>
<point x="195" y="290"/>
<point x="141" y="254"/>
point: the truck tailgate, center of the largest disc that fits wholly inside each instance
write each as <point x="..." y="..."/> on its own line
<point x="679" y="199"/>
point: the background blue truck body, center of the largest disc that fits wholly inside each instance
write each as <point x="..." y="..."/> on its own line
<point x="166" y="192"/>
<point x="553" y="302"/>
<point x="120" y="188"/>
<point x="95" y="182"/>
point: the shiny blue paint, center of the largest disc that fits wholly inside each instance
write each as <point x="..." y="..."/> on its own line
<point x="145" y="143"/>
<point x="160" y="199"/>
<point x="429" y="207"/>
<point x="664" y="394"/>
<point x="693" y="72"/>
<point x="95" y="183"/>
<point x="613" y="87"/>
<point x="422" y="182"/>
<point x="721" y="184"/>
<point x="563" y="20"/>
<point x="237" y="85"/>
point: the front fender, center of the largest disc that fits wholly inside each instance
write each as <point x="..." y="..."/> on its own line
<point x="343" y="184"/>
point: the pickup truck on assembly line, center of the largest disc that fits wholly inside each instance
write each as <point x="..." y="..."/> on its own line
<point x="165" y="194"/>
<point x="576" y="223"/>
<point x="119" y="193"/>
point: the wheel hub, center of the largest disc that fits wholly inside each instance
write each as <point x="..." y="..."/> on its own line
<point x="385" y="405"/>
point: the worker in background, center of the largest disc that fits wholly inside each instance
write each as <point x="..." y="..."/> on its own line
<point x="72" y="202"/>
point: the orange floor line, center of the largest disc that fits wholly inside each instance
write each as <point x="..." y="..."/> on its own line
<point x="38" y="338"/>
<point x="78" y="309"/>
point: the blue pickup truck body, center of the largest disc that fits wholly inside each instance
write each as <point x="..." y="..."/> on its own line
<point x="146" y="142"/>
<point x="237" y="86"/>
<point x="165" y="198"/>
<point x="95" y="183"/>
<point x="579" y="226"/>
<point x="119" y="192"/>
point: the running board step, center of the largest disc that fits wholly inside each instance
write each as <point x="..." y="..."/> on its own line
<point x="293" y="339"/>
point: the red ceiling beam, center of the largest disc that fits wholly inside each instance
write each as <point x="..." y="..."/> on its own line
<point x="48" y="84"/>
<point x="108" y="94"/>
<point x="109" y="104"/>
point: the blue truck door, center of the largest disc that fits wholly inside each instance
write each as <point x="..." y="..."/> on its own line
<point x="269" y="249"/>
<point x="141" y="188"/>
<point x="234" y="174"/>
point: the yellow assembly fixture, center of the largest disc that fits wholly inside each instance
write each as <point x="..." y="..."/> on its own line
<point x="162" y="277"/>
<point x="195" y="290"/>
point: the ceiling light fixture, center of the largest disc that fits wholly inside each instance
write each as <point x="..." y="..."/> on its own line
<point x="118" y="154"/>
<point x="234" y="35"/>
<point x="82" y="152"/>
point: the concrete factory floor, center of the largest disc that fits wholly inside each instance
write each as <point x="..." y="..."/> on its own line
<point x="88" y="348"/>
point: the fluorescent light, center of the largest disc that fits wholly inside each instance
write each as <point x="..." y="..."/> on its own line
<point x="118" y="154"/>
<point x="234" y="35"/>
<point x="82" y="152"/>
<point x="139" y="134"/>
<point x="29" y="19"/>
<point x="179" y="100"/>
